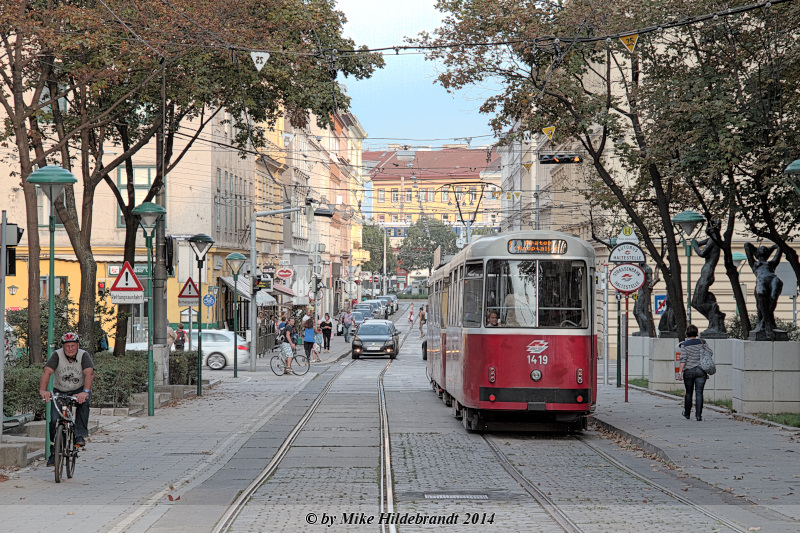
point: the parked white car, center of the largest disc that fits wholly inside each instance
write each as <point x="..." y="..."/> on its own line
<point x="217" y="348"/>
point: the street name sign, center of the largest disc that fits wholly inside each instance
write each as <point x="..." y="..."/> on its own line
<point x="627" y="252"/>
<point x="189" y="295"/>
<point x="127" y="289"/>
<point x="626" y="278"/>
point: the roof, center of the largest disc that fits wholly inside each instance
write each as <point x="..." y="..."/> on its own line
<point x="431" y="164"/>
<point x="243" y="288"/>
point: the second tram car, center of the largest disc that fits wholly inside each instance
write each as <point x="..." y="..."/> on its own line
<point x="512" y="340"/>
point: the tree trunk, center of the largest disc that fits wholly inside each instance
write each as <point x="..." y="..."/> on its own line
<point x="34" y="275"/>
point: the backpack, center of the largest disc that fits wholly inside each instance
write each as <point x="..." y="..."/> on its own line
<point x="181" y="337"/>
<point x="707" y="362"/>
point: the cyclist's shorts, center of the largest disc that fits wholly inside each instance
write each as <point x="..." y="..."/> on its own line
<point x="286" y="348"/>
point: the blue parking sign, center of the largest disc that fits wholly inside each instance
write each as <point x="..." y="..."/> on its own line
<point x="660" y="301"/>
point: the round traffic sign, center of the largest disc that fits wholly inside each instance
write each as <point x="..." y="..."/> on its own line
<point x="284" y="273"/>
<point x="626" y="278"/>
<point x="209" y="300"/>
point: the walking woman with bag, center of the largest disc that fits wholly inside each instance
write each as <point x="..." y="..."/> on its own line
<point x="693" y="375"/>
<point x="327" y="328"/>
<point x="309" y="336"/>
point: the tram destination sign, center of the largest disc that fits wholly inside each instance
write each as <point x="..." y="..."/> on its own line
<point x="626" y="278"/>
<point x="626" y="252"/>
<point x="537" y="246"/>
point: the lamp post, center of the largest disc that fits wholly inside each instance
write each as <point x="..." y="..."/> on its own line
<point x="201" y="244"/>
<point x="738" y="259"/>
<point x="235" y="260"/>
<point x="149" y="214"/>
<point x="53" y="181"/>
<point x="792" y="172"/>
<point x="687" y="222"/>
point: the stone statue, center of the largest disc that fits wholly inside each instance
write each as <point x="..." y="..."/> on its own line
<point x="768" y="288"/>
<point x="643" y="308"/>
<point x="667" y="327"/>
<point x="703" y="299"/>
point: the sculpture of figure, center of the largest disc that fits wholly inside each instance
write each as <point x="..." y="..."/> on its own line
<point x="667" y="326"/>
<point x="703" y="299"/>
<point x="768" y="288"/>
<point x="643" y="309"/>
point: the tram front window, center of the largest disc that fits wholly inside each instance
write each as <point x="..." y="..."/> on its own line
<point x="536" y="294"/>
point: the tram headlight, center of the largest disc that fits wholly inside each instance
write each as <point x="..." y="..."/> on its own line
<point x="536" y="375"/>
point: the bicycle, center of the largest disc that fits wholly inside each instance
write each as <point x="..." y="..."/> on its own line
<point x="64" y="450"/>
<point x="300" y="364"/>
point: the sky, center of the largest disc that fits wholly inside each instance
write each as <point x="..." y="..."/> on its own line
<point x="401" y="100"/>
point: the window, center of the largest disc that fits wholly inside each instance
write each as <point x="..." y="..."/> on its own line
<point x="381" y="195"/>
<point x="394" y="218"/>
<point x="445" y="195"/>
<point x="219" y="180"/>
<point x="225" y="197"/>
<point x="409" y="196"/>
<point x="408" y="219"/>
<point x="459" y="194"/>
<point x="381" y="218"/>
<point x="473" y="295"/>
<point x="545" y="294"/>
<point x="422" y="195"/>
<point x="60" y="285"/>
<point x="445" y="217"/>
<point x="142" y="179"/>
<point x="492" y="218"/>
<point x="395" y="196"/>
<point x="473" y="194"/>
<point x="431" y="195"/>
<point x="43" y="207"/>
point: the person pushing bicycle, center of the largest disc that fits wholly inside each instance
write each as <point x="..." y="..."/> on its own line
<point x="74" y="373"/>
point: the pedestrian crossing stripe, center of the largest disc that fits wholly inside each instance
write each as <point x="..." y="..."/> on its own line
<point x="127" y="280"/>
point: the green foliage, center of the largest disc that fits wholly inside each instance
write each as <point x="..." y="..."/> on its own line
<point x="409" y="296"/>
<point x="21" y="391"/>
<point x="117" y="378"/>
<point x="787" y="419"/>
<point x="64" y="311"/>
<point x="422" y="239"/>
<point x="372" y="237"/>
<point x="639" y="382"/>
<point x="183" y="368"/>
<point x="734" y="327"/>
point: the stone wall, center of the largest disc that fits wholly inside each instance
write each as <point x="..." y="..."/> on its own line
<point x="766" y="377"/>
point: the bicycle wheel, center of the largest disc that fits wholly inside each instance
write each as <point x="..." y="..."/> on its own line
<point x="58" y="452"/>
<point x="277" y="365"/>
<point x="300" y="365"/>
<point x="71" y="452"/>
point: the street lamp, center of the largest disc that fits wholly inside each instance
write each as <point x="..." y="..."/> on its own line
<point x="235" y="261"/>
<point x="687" y="222"/>
<point x="200" y="244"/>
<point x="738" y="261"/>
<point x="53" y="181"/>
<point x="793" y="171"/>
<point x="12" y="289"/>
<point x="148" y="214"/>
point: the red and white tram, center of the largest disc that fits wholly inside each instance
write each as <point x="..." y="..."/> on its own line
<point x="512" y="340"/>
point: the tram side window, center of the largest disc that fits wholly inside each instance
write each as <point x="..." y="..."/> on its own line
<point x="473" y="296"/>
<point x="445" y="302"/>
<point x="511" y="292"/>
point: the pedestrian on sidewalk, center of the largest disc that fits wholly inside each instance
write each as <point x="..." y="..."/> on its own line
<point x="180" y="337"/>
<point x="326" y="326"/>
<point x="171" y="337"/>
<point x="422" y="320"/>
<point x="694" y="377"/>
<point x="309" y="334"/>
<point x="411" y="314"/>
<point x="288" y="345"/>
<point x="347" y="323"/>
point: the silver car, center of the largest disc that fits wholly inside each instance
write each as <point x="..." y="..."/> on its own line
<point x="217" y="348"/>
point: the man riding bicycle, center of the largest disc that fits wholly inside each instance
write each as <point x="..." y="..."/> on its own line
<point x="74" y="373"/>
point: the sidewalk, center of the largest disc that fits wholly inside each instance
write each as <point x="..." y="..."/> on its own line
<point x="754" y="461"/>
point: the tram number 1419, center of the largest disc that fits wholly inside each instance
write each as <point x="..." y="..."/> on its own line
<point x="537" y="359"/>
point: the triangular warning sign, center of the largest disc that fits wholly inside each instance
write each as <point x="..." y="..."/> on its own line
<point x="127" y="280"/>
<point x="549" y="130"/>
<point x="527" y="166"/>
<point x="496" y="194"/>
<point x="517" y="194"/>
<point x="189" y="290"/>
<point x="508" y="195"/>
<point x="260" y="59"/>
<point x="630" y="41"/>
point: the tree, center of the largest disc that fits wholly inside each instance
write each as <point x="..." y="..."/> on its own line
<point x="613" y="102"/>
<point x="422" y="238"/>
<point x="110" y="77"/>
<point x="373" y="241"/>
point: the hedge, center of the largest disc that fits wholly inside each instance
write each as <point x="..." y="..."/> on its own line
<point x="183" y="368"/>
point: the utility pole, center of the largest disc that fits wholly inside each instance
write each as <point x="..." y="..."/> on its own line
<point x="384" y="287"/>
<point x="159" y="274"/>
<point x="538" y="214"/>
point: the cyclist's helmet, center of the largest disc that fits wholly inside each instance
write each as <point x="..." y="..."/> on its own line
<point x="69" y="337"/>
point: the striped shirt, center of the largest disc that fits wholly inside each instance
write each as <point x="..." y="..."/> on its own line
<point x="691" y="350"/>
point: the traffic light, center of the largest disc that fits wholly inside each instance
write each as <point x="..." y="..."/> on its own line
<point x="101" y="288"/>
<point x="559" y="159"/>
<point x="13" y="236"/>
<point x="169" y="255"/>
<point x="256" y="281"/>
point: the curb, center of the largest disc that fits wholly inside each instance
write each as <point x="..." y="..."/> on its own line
<point x="638" y="441"/>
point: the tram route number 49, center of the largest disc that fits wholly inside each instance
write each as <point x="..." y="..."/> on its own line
<point x="540" y="359"/>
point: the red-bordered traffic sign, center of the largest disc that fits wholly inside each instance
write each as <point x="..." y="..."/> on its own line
<point x="189" y="294"/>
<point x="127" y="280"/>
<point x="626" y="278"/>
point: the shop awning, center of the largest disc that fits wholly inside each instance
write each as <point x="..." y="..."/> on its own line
<point x="283" y="289"/>
<point x="243" y="287"/>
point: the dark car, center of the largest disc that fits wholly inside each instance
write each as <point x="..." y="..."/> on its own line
<point x="376" y="337"/>
<point x="358" y="319"/>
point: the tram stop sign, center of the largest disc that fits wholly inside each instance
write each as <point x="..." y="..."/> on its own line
<point x="626" y="278"/>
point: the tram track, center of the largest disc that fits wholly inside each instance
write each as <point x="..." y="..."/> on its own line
<point x="563" y="516"/>
<point x="386" y="504"/>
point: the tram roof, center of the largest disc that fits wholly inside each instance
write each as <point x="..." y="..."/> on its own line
<point x="496" y="245"/>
